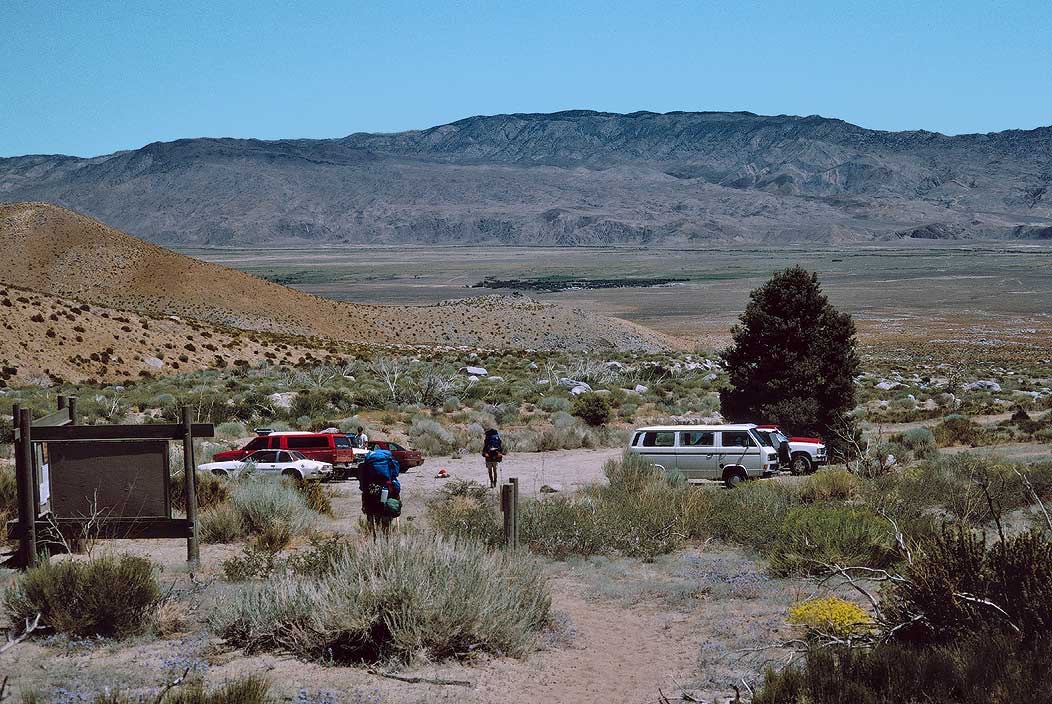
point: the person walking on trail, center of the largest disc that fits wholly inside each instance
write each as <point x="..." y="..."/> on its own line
<point x="361" y="440"/>
<point x="381" y="490"/>
<point x="492" y="453"/>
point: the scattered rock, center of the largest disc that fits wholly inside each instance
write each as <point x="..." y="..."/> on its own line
<point x="473" y="378"/>
<point x="710" y="377"/>
<point x="886" y="385"/>
<point x="283" y="399"/>
<point x="640" y="389"/>
<point x="572" y="383"/>
<point x="550" y="489"/>
<point x="542" y="382"/>
<point x="496" y="378"/>
<point x="152" y="362"/>
<point x="983" y="384"/>
<point x="474" y="371"/>
<point x="578" y="390"/>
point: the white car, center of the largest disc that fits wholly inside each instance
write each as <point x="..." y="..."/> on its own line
<point x="285" y="463"/>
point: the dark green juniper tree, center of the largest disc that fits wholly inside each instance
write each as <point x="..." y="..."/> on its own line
<point x="793" y="360"/>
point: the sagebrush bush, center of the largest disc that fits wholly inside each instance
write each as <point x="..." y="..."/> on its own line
<point x="315" y="494"/>
<point x="431" y="437"/>
<point x="919" y="441"/>
<point x="394" y="598"/>
<point x="221" y="524"/>
<point x="466" y="510"/>
<point x="263" y="503"/>
<point x="8" y="496"/>
<point x="108" y="596"/>
<point x="825" y="534"/>
<point x="829" y="484"/>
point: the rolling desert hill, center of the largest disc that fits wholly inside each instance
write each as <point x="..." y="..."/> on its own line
<point x="568" y="178"/>
<point x="75" y="287"/>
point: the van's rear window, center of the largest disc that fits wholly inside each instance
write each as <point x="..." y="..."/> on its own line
<point x="342" y="441"/>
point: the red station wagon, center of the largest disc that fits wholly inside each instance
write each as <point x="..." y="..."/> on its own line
<point x="334" y="448"/>
<point x="406" y="458"/>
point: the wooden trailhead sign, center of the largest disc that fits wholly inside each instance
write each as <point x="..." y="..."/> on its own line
<point x="99" y="481"/>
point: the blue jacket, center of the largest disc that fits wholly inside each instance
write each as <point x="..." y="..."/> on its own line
<point x="379" y="467"/>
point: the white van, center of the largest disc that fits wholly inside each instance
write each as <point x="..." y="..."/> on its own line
<point x="731" y="453"/>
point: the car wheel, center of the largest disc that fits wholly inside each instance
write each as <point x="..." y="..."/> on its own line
<point x="733" y="479"/>
<point x="219" y="472"/>
<point x="801" y="464"/>
<point x="292" y="474"/>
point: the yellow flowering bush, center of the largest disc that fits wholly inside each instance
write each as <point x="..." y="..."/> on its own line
<point x="831" y="615"/>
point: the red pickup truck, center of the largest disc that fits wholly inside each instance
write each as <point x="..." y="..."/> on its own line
<point x="334" y="448"/>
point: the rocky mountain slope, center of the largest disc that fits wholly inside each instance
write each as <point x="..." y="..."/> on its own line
<point x="73" y="287"/>
<point x="575" y="177"/>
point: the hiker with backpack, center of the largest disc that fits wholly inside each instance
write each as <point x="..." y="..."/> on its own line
<point x="492" y="453"/>
<point x="381" y="490"/>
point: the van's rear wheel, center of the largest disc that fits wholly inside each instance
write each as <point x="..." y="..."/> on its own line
<point x="801" y="464"/>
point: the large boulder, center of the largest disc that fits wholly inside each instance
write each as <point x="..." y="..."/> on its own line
<point x="474" y="371"/>
<point x="983" y="385"/>
<point x="573" y="383"/>
<point x="283" y="399"/>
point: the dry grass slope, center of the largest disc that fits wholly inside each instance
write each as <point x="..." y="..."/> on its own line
<point x="69" y="278"/>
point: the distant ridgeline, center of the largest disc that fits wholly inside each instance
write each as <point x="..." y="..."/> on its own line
<point x="554" y="284"/>
<point x="576" y="178"/>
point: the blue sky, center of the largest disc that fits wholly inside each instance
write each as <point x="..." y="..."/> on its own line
<point x="89" y="77"/>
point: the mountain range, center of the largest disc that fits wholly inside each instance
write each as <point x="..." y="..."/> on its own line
<point x="567" y="178"/>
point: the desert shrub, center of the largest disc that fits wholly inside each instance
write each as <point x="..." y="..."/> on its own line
<point x="551" y="404"/>
<point x="829" y="484"/>
<point x="640" y="512"/>
<point x="831" y="616"/>
<point x="252" y="689"/>
<point x="751" y="515"/>
<point x="824" y="534"/>
<point x="592" y="408"/>
<point x="919" y="441"/>
<point x="221" y="524"/>
<point x="973" y="670"/>
<point x="231" y="430"/>
<point x="940" y="599"/>
<point x="394" y="599"/>
<point x="264" y="505"/>
<point x="466" y="510"/>
<point x="211" y="490"/>
<point x="431" y="437"/>
<point x="109" y="596"/>
<point x="959" y="430"/>
<point x="315" y="494"/>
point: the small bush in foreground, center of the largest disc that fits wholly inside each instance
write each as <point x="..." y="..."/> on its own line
<point x="466" y="510"/>
<point x="109" y="596"/>
<point x="976" y="670"/>
<point x="959" y="430"/>
<point x="393" y="599"/>
<point x="262" y="502"/>
<point x="221" y="524"/>
<point x="315" y="494"/>
<point x="211" y="490"/>
<point x="250" y="690"/>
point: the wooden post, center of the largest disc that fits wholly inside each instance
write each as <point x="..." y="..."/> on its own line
<point x="72" y="402"/>
<point x="61" y="402"/>
<point x="505" y="507"/>
<point x="514" y="511"/>
<point x="193" y="548"/>
<point x="27" y="540"/>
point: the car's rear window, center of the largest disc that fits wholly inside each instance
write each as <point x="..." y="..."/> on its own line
<point x="342" y="441"/>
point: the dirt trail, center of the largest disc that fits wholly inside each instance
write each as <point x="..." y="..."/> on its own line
<point x="617" y="655"/>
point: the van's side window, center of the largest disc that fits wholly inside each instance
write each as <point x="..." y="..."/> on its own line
<point x="737" y="438"/>
<point x="656" y="438"/>
<point x="697" y="438"/>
